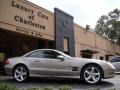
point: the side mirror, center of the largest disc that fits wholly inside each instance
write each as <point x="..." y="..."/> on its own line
<point x="62" y="58"/>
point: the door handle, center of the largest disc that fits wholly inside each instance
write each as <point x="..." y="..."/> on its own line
<point x="37" y="60"/>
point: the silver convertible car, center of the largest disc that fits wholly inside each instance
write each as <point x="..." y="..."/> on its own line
<point x="53" y="63"/>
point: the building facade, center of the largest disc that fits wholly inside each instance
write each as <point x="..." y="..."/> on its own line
<point x="25" y="26"/>
<point x="89" y="44"/>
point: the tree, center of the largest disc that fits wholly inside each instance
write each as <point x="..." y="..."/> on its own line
<point x="108" y="26"/>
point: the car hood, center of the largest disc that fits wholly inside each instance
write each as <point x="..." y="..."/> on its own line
<point x="85" y="61"/>
<point x="88" y="60"/>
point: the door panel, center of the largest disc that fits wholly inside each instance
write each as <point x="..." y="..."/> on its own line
<point x="57" y="67"/>
<point x="46" y="63"/>
<point x="54" y="67"/>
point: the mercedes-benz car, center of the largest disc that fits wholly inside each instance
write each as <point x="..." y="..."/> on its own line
<point x="53" y="63"/>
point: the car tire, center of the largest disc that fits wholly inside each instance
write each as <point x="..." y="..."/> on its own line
<point x="91" y="74"/>
<point x="20" y="73"/>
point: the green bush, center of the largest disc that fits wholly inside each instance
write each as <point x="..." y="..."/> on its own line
<point x="4" y="86"/>
<point x="112" y="89"/>
<point x="47" y="88"/>
<point x="65" y="87"/>
<point x="33" y="88"/>
<point x="94" y="89"/>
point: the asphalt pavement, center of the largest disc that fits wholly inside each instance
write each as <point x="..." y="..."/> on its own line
<point x="76" y="84"/>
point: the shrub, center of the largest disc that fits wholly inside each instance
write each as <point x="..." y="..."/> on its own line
<point x="112" y="89"/>
<point x="47" y="88"/>
<point x="65" y="87"/>
<point x="94" y="89"/>
<point x="33" y="88"/>
<point x="4" y="86"/>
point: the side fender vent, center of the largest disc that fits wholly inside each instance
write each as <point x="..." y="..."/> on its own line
<point x="75" y="69"/>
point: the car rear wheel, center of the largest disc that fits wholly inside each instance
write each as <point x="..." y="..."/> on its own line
<point x="20" y="73"/>
<point x="92" y="74"/>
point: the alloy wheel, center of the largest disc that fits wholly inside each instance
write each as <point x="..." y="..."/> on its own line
<point x="92" y="74"/>
<point x="20" y="73"/>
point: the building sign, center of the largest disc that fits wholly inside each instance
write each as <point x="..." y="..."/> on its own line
<point x="30" y="32"/>
<point x="23" y="14"/>
<point x="30" y="17"/>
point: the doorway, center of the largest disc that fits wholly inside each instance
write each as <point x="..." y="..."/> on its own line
<point x="14" y="44"/>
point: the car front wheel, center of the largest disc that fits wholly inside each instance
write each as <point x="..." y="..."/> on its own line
<point x="20" y="73"/>
<point x="92" y="74"/>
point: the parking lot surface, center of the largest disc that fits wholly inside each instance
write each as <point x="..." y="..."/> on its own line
<point x="76" y="84"/>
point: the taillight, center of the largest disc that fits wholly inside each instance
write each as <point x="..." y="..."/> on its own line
<point x="6" y="62"/>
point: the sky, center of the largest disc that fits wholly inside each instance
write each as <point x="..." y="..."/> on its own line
<point x="85" y="12"/>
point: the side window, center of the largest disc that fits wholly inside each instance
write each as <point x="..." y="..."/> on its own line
<point x="37" y="54"/>
<point x="50" y="54"/>
<point x="44" y="54"/>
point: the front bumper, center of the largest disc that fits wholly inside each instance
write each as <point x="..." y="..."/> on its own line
<point x="109" y="73"/>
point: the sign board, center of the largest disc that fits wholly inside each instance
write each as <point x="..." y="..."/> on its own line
<point x="27" y="18"/>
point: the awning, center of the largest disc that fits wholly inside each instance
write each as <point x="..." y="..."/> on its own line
<point x="90" y="51"/>
<point x="109" y="55"/>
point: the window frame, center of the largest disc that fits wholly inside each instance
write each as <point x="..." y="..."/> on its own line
<point x="28" y="55"/>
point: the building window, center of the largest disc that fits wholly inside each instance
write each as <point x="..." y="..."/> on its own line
<point x="87" y="55"/>
<point x="101" y="58"/>
<point x="66" y="44"/>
